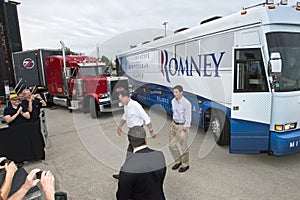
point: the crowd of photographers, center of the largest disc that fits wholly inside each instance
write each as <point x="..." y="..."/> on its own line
<point x="23" y="109"/>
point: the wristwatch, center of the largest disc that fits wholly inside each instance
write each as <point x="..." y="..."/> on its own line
<point x="151" y="131"/>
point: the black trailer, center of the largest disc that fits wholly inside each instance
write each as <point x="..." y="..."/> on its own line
<point x="29" y="67"/>
<point x="10" y="41"/>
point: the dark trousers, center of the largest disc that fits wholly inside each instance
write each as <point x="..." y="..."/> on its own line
<point x="37" y="142"/>
<point x="22" y="142"/>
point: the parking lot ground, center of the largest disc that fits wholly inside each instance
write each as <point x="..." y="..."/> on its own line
<point x="84" y="153"/>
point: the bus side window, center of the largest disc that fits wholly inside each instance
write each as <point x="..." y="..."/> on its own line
<point x="249" y="73"/>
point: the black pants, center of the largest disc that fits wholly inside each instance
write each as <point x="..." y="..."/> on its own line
<point x="37" y="142"/>
<point x="23" y="142"/>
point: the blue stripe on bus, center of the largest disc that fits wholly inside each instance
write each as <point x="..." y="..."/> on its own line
<point x="150" y="94"/>
<point x="249" y="136"/>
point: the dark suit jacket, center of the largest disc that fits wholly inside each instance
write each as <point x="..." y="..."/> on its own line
<point x="142" y="176"/>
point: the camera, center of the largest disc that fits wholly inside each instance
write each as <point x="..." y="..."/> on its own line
<point x="5" y="161"/>
<point x="38" y="175"/>
<point x="61" y="196"/>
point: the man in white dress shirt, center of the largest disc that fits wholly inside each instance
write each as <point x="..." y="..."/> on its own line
<point x="134" y="116"/>
<point x="178" y="136"/>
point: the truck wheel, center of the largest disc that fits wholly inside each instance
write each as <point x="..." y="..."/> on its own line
<point x="50" y="101"/>
<point x="93" y="108"/>
<point x="85" y="108"/>
<point x="219" y="127"/>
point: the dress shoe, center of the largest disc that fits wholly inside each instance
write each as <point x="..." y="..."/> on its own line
<point x="176" y="166"/>
<point x="116" y="176"/>
<point x="183" y="169"/>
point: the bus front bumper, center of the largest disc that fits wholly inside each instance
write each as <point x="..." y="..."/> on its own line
<point x="282" y="144"/>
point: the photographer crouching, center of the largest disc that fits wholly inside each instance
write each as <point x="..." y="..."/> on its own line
<point x="12" y="179"/>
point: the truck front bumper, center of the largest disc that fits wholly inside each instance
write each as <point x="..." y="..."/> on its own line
<point x="108" y="106"/>
<point x="282" y="144"/>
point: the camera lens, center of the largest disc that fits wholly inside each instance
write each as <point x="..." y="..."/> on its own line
<point x="38" y="175"/>
<point x="3" y="162"/>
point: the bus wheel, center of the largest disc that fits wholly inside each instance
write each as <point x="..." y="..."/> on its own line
<point x="218" y="126"/>
<point x="93" y="108"/>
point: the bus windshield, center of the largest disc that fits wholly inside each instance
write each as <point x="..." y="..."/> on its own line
<point x="288" y="44"/>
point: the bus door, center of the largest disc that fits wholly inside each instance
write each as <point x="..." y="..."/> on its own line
<point x="251" y="103"/>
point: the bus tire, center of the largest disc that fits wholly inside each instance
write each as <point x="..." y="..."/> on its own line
<point x="93" y="108"/>
<point x="219" y="127"/>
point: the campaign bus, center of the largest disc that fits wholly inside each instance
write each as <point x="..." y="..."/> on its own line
<point x="240" y="72"/>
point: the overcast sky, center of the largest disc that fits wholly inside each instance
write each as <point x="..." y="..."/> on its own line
<point x="81" y="24"/>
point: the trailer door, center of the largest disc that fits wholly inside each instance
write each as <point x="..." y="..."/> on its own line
<point x="251" y="103"/>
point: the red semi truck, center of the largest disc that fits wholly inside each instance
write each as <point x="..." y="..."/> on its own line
<point x="76" y="82"/>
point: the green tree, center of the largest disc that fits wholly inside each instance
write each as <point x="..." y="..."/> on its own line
<point x="70" y="52"/>
<point x="106" y="60"/>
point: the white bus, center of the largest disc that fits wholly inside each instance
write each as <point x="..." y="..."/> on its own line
<point x="241" y="73"/>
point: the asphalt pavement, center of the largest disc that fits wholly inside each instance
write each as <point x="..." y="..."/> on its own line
<point x="84" y="153"/>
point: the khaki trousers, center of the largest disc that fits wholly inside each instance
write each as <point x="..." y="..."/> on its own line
<point x="178" y="144"/>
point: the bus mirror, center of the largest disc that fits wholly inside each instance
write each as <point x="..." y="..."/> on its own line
<point x="275" y="62"/>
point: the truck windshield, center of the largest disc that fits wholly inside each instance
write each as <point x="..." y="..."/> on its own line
<point x="93" y="70"/>
<point x="288" y="44"/>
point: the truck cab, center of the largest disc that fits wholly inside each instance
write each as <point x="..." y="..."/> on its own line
<point x="85" y="84"/>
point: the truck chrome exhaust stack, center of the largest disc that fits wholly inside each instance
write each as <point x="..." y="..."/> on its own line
<point x="63" y="48"/>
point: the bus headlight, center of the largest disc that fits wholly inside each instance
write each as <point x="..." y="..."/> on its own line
<point x="279" y="128"/>
<point x="285" y="127"/>
<point x="290" y="126"/>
